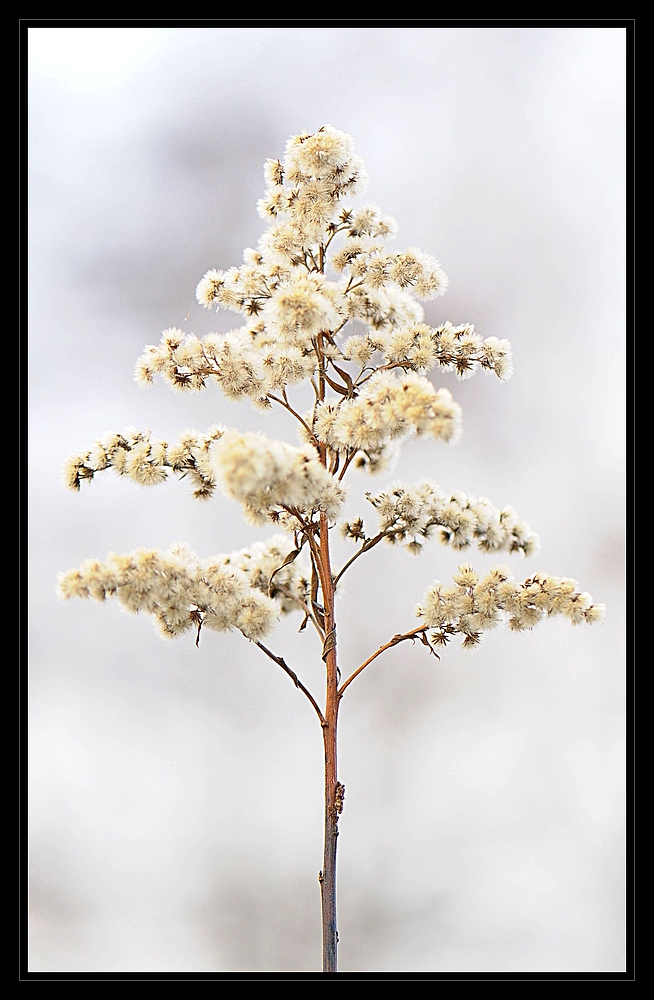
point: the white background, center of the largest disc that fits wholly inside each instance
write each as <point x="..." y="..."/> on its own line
<point x="176" y="793"/>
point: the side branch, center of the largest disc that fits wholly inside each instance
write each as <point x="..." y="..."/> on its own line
<point x="294" y="677"/>
<point x="305" y="607"/>
<point x="346" y="464"/>
<point x="413" y="635"/>
<point x="287" y="406"/>
<point x="310" y="529"/>
<point x="369" y="544"/>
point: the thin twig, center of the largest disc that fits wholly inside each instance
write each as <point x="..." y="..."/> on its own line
<point x="315" y="265"/>
<point x="338" y="229"/>
<point x="287" y="406"/>
<point x="294" y="677"/>
<point x="393" y="642"/>
<point x="407" y="365"/>
<point x="305" y="607"/>
<point x="364" y="548"/>
<point x="351" y="288"/>
<point x="309" y="529"/>
<point x="339" y="328"/>
<point x="347" y="463"/>
<point x="319" y="567"/>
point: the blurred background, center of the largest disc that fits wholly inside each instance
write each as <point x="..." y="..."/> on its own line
<point x="176" y="793"/>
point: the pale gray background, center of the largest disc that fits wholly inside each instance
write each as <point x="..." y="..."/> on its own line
<point x="176" y="793"/>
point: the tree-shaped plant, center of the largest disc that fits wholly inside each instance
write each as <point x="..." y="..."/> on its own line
<point x="321" y="265"/>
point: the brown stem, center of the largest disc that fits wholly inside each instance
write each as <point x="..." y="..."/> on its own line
<point x="323" y="248"/>
<point x="393" y="642"/>
<point x="369" y="544"/>
<point x="383" y="368"/>
<point x="294" y="677"/>
<point x="346" y="464"/>
<point x="305" y="607"/>
<point x="321" y="368"/>
<point x="287" y="406"/>
<point x="334" y="791"/>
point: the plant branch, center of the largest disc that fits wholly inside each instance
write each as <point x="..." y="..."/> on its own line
<point x="338" y="229"/>
<point x="350" y="287"/>
<point x="420" y="631"/>
<point x="294" y="677"/>
<point x="339" y="328"/>
<point x="347" y="463"/>
<point x="407" y="365"/>
<point x="309" y="529"/>
<point x="287" y="406"/>
<point x="369" y="544"/>
<point x="305" y="607"/>
<point x="316" y="266"/>
<point x="318" y="563"/>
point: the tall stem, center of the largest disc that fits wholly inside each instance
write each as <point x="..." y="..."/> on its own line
<point x="333" y="789"/>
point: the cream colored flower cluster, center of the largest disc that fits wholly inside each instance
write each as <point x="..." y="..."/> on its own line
<point x="268" y="477"/>
<point x="178" y="590"/>
<point x="146" y="462"/>
<point x="244" y="363"/>
<point x="302" y="307"/>
<point x="388" y="407"/>
<point x="418" y="347"/>
<point x="319" y="265"/>
<point x="265" y="566"/>
<point x="411" y="514"/>
<point x="317" y="171"/>
<point x="473" y="605"/>
<point x="283" y="279"/>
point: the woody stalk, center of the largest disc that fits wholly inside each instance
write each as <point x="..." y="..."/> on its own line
<point x="321" y="265"/>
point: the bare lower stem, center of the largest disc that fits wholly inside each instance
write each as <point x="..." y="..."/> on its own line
<point x="328" y="873"/>
<point x="334" y="791"/>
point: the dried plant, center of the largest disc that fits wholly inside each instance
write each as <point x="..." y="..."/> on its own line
<point x="320" y="265"/>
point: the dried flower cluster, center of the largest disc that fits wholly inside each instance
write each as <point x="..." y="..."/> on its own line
<point x="387" y="408"/>
<point x="273" y="568"/>
<point x="268" y="477"/>
<point x="320" y="264"/>
<point x="146" y="462"/>
<point x="177" y="589"/>
<point x="410" y="515"/>
<point x="418" y="347"/>
<point x="245" y="590"/>
<point x="295" y="313"/>
<point x="475" y="605"/>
